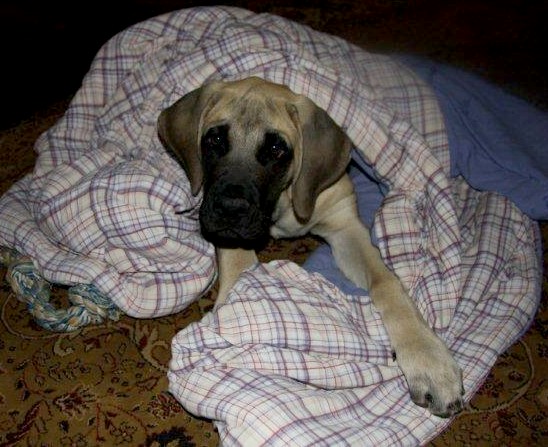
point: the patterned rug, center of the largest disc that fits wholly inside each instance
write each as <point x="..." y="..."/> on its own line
<point x="106" y="385"/>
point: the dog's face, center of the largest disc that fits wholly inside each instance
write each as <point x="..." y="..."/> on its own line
<point x="245" y="142"/>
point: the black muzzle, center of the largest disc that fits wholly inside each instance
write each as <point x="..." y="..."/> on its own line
<point x="232" y="216"/>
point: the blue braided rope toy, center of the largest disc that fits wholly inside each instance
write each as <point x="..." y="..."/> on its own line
<point x="89" y="306"/>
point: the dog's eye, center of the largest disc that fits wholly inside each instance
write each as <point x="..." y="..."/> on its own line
<point x="274" y="149"/>
<point x="279" y="150"/>
<point x="216" y="139"/>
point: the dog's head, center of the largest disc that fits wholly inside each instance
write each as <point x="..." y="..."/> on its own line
<point x="245" y="142"/>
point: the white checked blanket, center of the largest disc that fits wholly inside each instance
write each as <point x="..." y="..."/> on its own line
<point x="289" y="359"/>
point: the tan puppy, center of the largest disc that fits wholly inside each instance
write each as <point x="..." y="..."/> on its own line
<point x="271" y="162"/>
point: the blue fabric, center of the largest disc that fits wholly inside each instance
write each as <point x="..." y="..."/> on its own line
<point x="497" y="142"/>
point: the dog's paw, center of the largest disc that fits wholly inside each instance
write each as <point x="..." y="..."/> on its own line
<point x="433" y="376"/>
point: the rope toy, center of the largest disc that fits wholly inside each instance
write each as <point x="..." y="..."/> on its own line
<point x="89" y="306"/>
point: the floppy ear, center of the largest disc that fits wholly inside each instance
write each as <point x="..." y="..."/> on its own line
<point x="325" y="153"/>
<point x="179" y="131"/>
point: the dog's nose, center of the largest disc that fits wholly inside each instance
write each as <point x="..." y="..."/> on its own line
<point x="233" y="199"/>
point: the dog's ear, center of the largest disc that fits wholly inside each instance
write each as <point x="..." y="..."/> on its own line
<point x="179" y="131"/>
<point x="325" y="154"/>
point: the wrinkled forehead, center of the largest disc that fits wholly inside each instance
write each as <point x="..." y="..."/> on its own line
<point x="250" y="110"/>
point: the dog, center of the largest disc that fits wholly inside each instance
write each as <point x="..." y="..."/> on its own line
<point x="271" y="163"/>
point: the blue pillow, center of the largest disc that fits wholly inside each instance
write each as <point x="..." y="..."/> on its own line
<point x="498" y="142"/>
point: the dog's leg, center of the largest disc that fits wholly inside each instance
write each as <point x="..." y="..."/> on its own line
<point x="231" y="262"/>
<point x="433" y="376"/>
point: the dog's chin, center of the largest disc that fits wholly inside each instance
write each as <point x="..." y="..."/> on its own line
<point x="235" y="239"/>
<point x="248" y="228"/>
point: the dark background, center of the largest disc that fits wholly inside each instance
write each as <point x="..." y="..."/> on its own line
<point x="47" y="46"/>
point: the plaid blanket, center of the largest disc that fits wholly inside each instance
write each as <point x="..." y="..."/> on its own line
<point x="289" y="359"/>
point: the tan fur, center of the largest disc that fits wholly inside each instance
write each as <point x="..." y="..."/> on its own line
<point x="328" y="210"/>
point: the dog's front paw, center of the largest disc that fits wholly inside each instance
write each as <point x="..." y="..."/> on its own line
<point x="433" y="376"/>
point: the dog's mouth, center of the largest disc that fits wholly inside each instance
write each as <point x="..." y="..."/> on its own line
<point x="234" y="222"/>
<point x="250" y="234"/>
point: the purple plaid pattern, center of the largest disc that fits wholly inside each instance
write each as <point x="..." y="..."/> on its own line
<point x="289" y="359"/>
